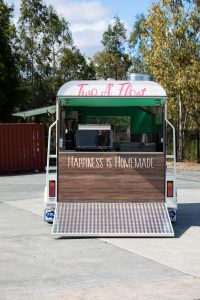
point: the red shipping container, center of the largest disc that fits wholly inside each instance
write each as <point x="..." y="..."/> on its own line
<point x="21" y="147"/>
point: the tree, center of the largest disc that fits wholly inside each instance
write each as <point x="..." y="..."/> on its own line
<point x="169" y="45"/>
<point x="42" y="35"/>
<point x="74" y="66"/>
<point x="115" y="37"/>
<point x="113" y="61"/>
<point x="8" y="69"/>
<point x="110" y="65"/>
<point x="31" y="25"/>
<point x="136" y="46"/>
<point x="56" y="38"/>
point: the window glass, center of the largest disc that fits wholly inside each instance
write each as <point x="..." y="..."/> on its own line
<point x="120" y="126"/>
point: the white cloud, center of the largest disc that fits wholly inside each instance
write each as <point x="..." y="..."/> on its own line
<point x="88" y="20"/>
<point x="87" y="36"/>
<point x="79" y="10"/>
<point x="88" y="41"/>
<point x="98" y="26"/>
<point x="16" y="5"/>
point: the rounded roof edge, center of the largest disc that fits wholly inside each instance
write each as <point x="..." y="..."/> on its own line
<point x="122" y="88"/>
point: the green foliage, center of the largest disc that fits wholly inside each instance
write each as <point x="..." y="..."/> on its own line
<point x="73" y="66"/>
<point x="115" y="37"/>
<point x="47" y="55"/>
<point x="111" y="65"/>
<point x="42" y="35"/>
<point x="168" y="40"/>
<point x="39" y="56"/>
<point x="136" y="46"/>
<point x="8" y="70"/>
<point x="113" y="62"/>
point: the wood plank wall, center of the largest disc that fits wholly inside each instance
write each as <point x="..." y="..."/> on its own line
<point x="111" y="177"/>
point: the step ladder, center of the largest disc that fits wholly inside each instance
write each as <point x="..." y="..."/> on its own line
<point x="94" y="219"/>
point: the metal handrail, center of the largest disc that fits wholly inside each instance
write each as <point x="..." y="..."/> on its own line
<point x="49" y="150"/>
<point x="174" y="152"/>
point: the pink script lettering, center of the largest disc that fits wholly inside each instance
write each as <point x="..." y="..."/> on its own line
<point x="108" y="90"/>
<point x="122" y="89"/>
<point x="127" y="90"/>
<point x="83" y="91"/>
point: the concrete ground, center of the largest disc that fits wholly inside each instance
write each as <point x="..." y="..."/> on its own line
<point x="33" y="265"/>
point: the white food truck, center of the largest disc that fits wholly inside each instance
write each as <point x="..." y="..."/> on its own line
<point x="111" y="177"/>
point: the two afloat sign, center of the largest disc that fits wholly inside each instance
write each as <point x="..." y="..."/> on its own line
<point x="110" y="162"/>
<point x="102" y="88"/>
<point x="111" y="89"/>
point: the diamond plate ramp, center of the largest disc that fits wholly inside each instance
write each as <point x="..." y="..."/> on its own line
<point x="112" y="219"/>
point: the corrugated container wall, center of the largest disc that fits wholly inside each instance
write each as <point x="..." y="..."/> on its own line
<point x="22" y="147"/>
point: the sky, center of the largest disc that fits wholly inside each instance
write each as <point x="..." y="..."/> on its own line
<point x="88" y="19"/>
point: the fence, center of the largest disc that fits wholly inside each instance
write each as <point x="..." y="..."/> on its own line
<point x="191" y="144"/>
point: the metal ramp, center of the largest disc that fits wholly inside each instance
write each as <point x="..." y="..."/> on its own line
<point x="112" y="220"/>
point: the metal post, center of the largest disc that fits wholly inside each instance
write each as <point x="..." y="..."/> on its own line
<point x="198" y="150"/>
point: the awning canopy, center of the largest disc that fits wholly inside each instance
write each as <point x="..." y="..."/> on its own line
<point x="37" y="111"/>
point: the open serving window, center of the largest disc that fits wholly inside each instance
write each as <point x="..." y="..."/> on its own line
<point x="112" y="129"/>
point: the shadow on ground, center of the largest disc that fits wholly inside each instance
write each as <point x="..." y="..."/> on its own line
<point x="188" y="215"/>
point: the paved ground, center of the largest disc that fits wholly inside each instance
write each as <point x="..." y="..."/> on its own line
<point x="33" y="265"/>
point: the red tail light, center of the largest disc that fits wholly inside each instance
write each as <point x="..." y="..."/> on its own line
<point x="170" y="186"/>
<point x="52" y="188"/>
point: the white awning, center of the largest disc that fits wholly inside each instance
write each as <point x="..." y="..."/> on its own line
<point x="37" y="111"/>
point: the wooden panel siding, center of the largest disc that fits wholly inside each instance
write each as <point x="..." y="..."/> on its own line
<point x="110" y="177"/>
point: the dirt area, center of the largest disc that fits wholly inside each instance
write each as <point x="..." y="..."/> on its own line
<point x="186" y="165"/>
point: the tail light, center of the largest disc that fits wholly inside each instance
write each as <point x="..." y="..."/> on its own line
<point x="52" y="188"/>
<point x="170" y="186"/>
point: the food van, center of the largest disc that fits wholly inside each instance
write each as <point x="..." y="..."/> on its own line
<point x="111" y="177"/>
